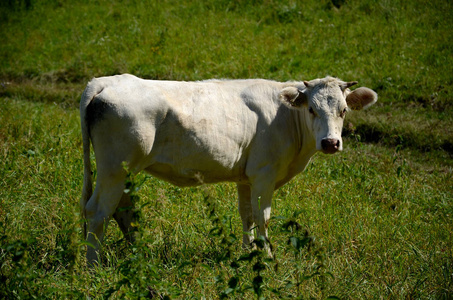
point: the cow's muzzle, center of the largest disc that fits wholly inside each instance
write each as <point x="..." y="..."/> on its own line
<point x="330" y="146"/>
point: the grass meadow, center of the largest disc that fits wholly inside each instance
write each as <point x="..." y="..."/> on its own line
<point x="372" y="222"/>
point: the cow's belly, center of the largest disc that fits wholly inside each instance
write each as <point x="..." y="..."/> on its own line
<point x="193" y="176"/>
<point x="189" y="161"/>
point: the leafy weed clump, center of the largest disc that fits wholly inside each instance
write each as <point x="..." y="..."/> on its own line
<point x="238" y="281"/>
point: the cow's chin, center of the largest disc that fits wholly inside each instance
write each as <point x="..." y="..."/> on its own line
<point x="330" y="151"/>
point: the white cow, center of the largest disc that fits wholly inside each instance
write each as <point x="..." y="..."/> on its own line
<point x="256" y="133"/>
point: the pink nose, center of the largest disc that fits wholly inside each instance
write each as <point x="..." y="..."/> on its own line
<point x="330" y="146"/>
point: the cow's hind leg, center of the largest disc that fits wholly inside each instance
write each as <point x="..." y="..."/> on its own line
<point x="101" y="207"/>
<point x="124" y="216"/>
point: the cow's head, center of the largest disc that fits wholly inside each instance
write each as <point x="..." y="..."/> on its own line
<point x="326" y="101"/>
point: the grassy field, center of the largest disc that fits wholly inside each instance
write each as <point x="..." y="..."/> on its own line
<point x="376" y="219"/>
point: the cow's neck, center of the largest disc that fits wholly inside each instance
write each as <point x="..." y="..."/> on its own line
<point x="304" y="140"/>
<point x="304" y="143"/>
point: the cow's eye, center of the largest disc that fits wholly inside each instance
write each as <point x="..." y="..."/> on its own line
<point x="343" y="113"/>
<point x="310" y="110"/>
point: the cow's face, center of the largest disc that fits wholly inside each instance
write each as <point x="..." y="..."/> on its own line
<point x="327" y="101"/>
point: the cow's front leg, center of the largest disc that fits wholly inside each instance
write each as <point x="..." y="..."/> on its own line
<point x="246" y="213"/>
<point x="261" y="199"/>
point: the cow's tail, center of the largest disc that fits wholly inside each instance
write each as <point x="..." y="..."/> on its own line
<point x="93" y="88"/>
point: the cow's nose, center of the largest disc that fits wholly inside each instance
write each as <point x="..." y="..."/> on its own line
<point x="330" y="146"/>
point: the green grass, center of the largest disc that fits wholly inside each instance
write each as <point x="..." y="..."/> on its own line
<point x="381" y="220"/>
<point x="375" y="219"/>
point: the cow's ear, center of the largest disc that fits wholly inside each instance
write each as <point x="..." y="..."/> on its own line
<point x="361" y="98"/>
<point x="293" y="97"/>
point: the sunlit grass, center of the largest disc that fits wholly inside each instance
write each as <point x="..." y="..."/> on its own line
<point x="400" y="50"/>
<point x="377" y="216"/>
<point x="380" y="219"/>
